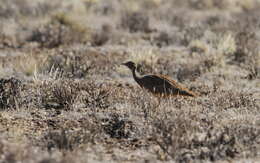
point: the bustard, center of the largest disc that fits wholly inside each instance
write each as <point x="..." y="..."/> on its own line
<point x="159" y="84"/>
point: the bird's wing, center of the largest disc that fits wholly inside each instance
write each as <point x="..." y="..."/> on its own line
<point x="155" y="80"/>
<point x="171" y="81"/>
<point x="183" y="90"/>
<point x="161" y="83"/>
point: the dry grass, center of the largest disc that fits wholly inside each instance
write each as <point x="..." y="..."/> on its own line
<point x="65" y="98"/>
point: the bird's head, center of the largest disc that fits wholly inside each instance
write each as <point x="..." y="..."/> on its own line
<point x="131" y="65"/>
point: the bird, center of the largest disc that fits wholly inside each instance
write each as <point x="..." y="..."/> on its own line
<point x="159" y="85"/>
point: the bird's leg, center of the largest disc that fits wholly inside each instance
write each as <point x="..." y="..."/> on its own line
<point x="159" y="99"/>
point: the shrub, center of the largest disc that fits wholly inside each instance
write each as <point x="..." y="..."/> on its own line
<point x="135" y="22"/>
<point x="10" y="93"/>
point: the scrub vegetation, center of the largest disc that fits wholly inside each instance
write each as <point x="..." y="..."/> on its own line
<point x="65" y="98"/>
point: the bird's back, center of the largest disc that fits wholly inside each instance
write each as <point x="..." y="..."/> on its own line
<point x="160" y="84"/>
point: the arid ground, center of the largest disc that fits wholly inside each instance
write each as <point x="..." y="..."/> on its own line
<point x="64" y="97"/>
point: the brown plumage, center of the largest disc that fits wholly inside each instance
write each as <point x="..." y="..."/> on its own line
<point x="159" y="84"/>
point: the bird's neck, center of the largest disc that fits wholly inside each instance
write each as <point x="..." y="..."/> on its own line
<point x="136" y="75"/>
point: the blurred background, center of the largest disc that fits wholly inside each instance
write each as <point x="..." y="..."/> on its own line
<point x="220" y="30"/>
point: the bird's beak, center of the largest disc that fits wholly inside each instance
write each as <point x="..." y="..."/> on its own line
<point x="123" y="64"/>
